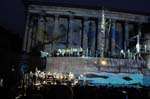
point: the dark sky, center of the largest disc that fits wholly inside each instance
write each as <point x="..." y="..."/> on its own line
<point x="137" y="6"/>
<point x="12" y="14"/>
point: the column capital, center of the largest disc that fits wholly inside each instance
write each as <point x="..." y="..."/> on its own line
<point x="126" y="22"/>
<point x="56" y="15"/>
<point x="85" y="18"/>
<point x="139" y="24"/>
<point x="114" y="20"/>
<point x="113" y="24"/>
<point x="99" y="19"/>
<point x="71" y="16"/>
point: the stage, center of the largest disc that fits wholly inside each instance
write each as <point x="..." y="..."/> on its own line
<point x="114" y="69"/>
<point x="92" y="64"/>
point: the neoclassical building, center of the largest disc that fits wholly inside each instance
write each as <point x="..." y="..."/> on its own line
<point x="118" y="37"/>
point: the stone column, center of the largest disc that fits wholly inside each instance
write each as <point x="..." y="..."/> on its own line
<point x="33" y="36"/>
<point x="30" y="36"/>
<point x="92" y="39"/>
<point x="80" y="36"/>
<point x="120" y="43"/>
<point x="113" y="30"/>
<point x="99" y="36"/>
<point x="40" y="33"/>
<point x="36" y="30"/>
<point x="56" y="26"/>
<point x="85" y="35"/>
<point x="70" y="35"/>
<point x="55" y="32"/>
<point x="126" y="44"/>
<point x="107" y="37"/>
<point x="24" y="48"/>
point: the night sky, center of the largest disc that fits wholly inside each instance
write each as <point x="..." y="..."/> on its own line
<point x="13" y="17"/>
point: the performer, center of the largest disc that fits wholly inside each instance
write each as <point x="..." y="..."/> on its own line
<point x="44" y="56"/>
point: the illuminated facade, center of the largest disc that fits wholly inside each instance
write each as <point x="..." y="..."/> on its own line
<point x="82" y="32"/>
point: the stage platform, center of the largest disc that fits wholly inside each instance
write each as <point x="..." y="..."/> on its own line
<point x="92" y="64"/>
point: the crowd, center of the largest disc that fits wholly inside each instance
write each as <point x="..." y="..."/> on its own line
<point x="83" y="92"/>
<point x="38" y="90"/>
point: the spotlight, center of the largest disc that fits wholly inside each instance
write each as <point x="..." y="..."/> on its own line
<point x="95" y="62"/>
<point x="103" y="62"/>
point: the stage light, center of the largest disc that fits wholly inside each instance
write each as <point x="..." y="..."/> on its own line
<point x="83" y="56"/>
<point x="95" y="62"/>
<point x="103" y="62"/>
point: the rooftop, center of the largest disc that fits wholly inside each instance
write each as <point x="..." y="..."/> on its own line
<point x="132" y="6"/>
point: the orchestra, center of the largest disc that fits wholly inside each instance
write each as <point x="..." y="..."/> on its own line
<point x="39" y="78"/>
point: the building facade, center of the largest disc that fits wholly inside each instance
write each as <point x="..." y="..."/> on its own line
<point x="81" y="32"/>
